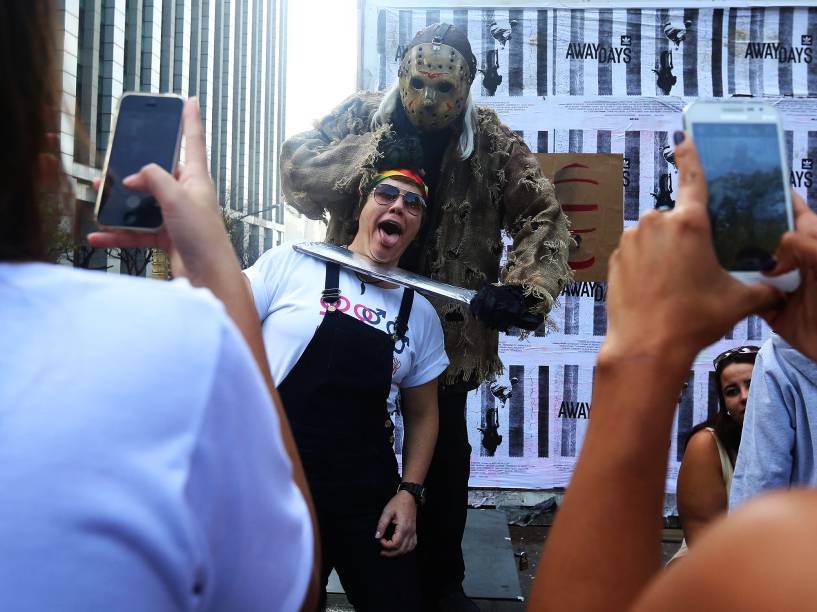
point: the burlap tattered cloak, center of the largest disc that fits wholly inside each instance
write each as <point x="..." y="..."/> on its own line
<point x="499" y="187"/>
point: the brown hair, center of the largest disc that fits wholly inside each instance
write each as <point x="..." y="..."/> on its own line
<point x="28" y="109"/>
<point x="726" y="428"/>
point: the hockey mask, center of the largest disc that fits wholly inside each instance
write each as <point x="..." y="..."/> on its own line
<point x="434" y="78"/>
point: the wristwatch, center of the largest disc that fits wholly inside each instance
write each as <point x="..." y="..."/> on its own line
<point x="417" y="491"/>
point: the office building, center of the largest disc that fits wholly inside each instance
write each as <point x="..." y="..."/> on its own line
<point x="228" y="53"/>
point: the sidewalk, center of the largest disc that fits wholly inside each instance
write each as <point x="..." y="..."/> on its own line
<point x="531" y="539"/>
<point x="527" y="543"/>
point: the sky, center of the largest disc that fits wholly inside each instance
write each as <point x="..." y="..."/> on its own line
<point x="739" y="147"/>
<point x="321" y="59"/>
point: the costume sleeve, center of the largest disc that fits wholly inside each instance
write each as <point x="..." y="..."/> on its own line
<point x="251" y="522"/>
<point x="535" y="222"/>
<point x="767" y="442"/>
<point x="321" y="168"/>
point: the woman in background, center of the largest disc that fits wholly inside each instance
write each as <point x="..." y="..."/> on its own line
<point x="712" y="447"/>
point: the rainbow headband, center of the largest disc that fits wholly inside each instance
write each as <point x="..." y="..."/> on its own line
<point x="409" y="174"/>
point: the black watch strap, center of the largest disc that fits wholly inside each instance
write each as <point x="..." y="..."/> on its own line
<point x="417" y="491"/>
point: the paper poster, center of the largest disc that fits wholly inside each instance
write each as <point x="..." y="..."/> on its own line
<point x="614" y="80"/>
<point x="589" y="188"/>
<point x="694" y="52"/>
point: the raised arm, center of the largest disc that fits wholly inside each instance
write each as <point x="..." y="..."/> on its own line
<point x="646" y="356"/>
<point x="321" y="168"/>
<point x="536" y="270"/>
<point x="769" y="538"/>
<point x="200" y="250"/>
<point x="769" y="542"/>
<point x="797" y="320"/>
<point x="537" y="261"/>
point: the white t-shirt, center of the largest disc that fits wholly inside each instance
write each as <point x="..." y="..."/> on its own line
<point x="141" y="462"/>
<point x="287" y="288"/>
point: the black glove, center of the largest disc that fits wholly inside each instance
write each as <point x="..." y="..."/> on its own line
<point x="503" y="307"/>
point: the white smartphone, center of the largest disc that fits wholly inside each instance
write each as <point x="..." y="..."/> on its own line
<point x="741" y="147"/>
<point x="147" y="129"/>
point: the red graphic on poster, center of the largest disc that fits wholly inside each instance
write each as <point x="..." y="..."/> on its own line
<point x="588" y="186"/>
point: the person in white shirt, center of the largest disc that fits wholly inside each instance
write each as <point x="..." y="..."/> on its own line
<point x="340" y="346"/>
<point x="143" y="462"/>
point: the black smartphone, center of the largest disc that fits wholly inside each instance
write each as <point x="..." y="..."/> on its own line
<point x="147" y="129"/>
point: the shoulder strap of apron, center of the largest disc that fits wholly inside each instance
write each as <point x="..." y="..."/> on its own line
<point x="401" y="323"/>
<point x="331" y="295"/>
<point x="331" y="288"/>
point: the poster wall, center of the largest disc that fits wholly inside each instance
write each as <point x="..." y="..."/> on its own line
<point x="607" y="80"/>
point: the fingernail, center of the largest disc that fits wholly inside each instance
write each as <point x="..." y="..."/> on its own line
<point x="769" y="265"/>
<point x="129" y="179"/>
<point x="678" y="137"/>
<point x="376" y="535"/>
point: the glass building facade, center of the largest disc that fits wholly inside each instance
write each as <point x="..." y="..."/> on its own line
<point x="228" y="53"/>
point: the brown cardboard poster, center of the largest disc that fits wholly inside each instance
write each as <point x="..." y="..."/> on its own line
<point x="589" y="188"/>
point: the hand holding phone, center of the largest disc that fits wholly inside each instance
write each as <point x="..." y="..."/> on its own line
<point x="795" y="319"/>
<point x="147" y="130"/>
<point x="740" y="145"/>
<point x="673" y="312"/>
<point x="193" y="232"/>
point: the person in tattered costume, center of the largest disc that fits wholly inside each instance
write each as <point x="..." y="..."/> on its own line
<point x="484" y="180"/>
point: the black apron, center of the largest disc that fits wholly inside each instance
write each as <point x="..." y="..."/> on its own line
<point x="335" y="399"/>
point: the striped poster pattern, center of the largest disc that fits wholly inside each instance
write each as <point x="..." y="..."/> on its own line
<point x="488" y="409"/>
<point x="570" y="395"/>
<point x="516" y="413"/>
<point x="543" y="412"/>
<point x="622" y="52"/>
<point x="638" y="56"/>
<point x="685" y="417"/>
<point x="770" y="51"/>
